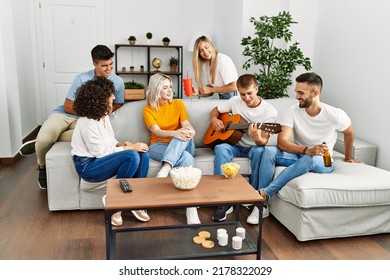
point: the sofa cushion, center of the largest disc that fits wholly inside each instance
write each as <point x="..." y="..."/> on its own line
<point x="62" y="178"/>
<point x="198" y="111"/>
<point x="128" y="121"/>
<point x="204" y="158"/>
<point x="91" y="194"/>
<point x="349" y="185"/>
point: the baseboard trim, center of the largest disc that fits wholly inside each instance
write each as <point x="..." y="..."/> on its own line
<point x="11" y="160"/>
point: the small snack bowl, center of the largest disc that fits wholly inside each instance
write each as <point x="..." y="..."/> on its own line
<point x="230" y="169"/>
<point x="185" y="178"/>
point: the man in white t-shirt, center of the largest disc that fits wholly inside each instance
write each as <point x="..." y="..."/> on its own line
<point x="310" y="123"/>
<point x="255" y="111"/>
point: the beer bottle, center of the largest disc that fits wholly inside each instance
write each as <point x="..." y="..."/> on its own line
<point x="327" y="158"/>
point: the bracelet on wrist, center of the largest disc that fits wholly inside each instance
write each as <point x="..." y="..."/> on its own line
<point x="304" y="150"/>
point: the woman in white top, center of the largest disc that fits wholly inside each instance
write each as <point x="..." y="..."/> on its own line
<point x="97" y="155"/>
<point x="214" y="72"/>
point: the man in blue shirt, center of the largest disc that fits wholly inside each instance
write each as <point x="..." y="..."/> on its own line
<point x="60" y="124"/>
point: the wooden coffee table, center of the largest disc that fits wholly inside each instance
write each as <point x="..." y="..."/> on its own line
<point x="159" y="193"/>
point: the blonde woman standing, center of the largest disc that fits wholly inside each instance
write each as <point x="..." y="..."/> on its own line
<point x="171" y="133"/>
<point x="214" y="72"/>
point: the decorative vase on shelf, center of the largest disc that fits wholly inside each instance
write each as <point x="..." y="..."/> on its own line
<point x="149" y="36"/>
<point x="166" y="41"/>
<point x="132" y="39"/>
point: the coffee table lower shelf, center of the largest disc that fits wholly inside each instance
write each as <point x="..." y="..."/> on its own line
<point x="158" y="241"/>
<point x="175" y="241"/>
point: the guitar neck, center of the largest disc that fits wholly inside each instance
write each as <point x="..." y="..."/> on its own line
<point x="239" y="126"/>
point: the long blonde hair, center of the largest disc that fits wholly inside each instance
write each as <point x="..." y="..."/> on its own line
<point x="198" y="61"/>
<point x="154" y="89"/>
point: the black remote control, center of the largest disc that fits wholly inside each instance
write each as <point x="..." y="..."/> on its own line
<point x="125" y="186"/>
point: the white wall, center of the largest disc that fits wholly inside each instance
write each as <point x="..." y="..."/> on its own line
<point x="176" y="19"/>
<point x="10" y="77"/>
<point x="228" y="29"/>
<point x="348" y="42"/>
<point x="352" y="54"/>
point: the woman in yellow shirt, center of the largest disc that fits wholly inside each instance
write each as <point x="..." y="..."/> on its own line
<point x="171" y="133"/>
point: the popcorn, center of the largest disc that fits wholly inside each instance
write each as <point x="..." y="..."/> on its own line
<point x="186" y="178"/>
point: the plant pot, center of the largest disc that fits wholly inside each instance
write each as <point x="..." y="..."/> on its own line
<point x="131" y="42"/>
<point x="166" y="43"/>
<point x="173" y="68"/>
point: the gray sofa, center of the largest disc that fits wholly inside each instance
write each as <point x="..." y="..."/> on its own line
<point x="352" y="200"/>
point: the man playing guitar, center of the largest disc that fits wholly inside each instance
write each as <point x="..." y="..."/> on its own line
<point x="254" y="110"/>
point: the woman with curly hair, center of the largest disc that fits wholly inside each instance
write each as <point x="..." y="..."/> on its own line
<point x="97" y="155"/>
<point x="214" y="72"/>
<point x="171" y="133"/>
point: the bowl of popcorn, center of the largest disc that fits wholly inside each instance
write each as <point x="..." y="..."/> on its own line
<point x="230" y="169"/>
<point x="185" y="178"/>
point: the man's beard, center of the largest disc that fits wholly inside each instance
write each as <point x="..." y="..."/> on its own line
<point x="306" y="103"/>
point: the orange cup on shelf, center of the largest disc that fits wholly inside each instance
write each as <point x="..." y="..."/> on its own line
<point x="187" y="82"/>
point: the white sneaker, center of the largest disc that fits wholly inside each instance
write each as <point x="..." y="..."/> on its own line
<point x="163" y="173"/>
<point x="265" y="211"/>
<point x="192" y="216"/>
<point x="247" y="205"/>
<point x="253" y="218"/>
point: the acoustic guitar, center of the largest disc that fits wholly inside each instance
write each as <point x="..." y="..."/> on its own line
<point x="234" y="129"/>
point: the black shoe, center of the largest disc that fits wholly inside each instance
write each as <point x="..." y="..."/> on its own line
<point x="42" y="180"/>
<point x="221" y="212"/>
<point x="27" y="148"/>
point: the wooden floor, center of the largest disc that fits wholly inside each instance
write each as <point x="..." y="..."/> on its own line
<point x="28" y="230"/>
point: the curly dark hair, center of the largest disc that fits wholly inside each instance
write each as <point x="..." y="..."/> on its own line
<point x="92" y="98"/>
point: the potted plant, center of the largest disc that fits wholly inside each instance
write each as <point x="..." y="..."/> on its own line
<point x="166" y="41"/>
<point x="149" y="36"/>
<point x="132" y="40"/>
<point x="276" y="64"/>
<point x="173" y="63"/>
<point x="134" y="91"/>
<point x="141" y="68"/>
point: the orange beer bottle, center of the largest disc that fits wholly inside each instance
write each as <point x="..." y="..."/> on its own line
<point x="327" y="158"/>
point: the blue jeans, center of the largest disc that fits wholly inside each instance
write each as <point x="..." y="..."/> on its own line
<point x="227" y="95"/>
<point x="123" y="164"/>
<point x="225" y="153"/>
<point x="296" y="166"/>
<point x="176" y="153"/>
